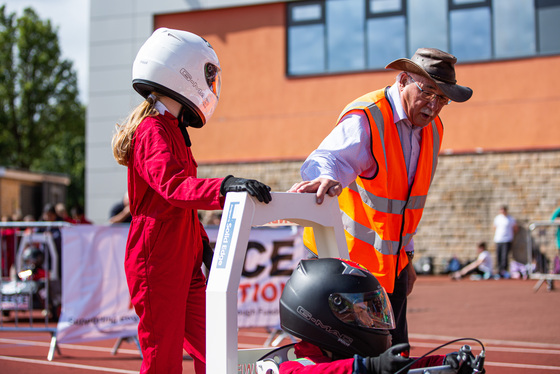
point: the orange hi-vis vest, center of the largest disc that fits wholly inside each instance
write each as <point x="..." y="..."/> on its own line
<point x="380" y="214"/>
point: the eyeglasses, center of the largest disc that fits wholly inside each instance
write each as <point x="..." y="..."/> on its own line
<point x="430" y="96"/>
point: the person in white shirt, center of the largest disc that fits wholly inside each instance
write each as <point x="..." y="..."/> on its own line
<point x="482" y="266"/>
<point x="505" y="229"/>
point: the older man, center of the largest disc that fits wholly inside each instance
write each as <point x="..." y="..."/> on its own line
<point x="380" y="159"/>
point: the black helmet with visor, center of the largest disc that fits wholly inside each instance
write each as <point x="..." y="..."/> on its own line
<point x="339" y="306"/>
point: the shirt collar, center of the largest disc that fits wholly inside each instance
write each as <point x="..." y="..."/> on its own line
<point x="160" y="107"/>
<point x="399" y="115"/>
<point x="395" y="99"/>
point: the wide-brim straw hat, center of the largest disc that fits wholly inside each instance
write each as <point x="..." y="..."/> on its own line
<point x="438" y="66"/>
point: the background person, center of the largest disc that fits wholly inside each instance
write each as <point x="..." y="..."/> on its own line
<point x="79" y="216"/>
<point x="380" y="159"/>
<point x="556" y="217"/>
<point x="62" y="212"/>
<point x="120" y="212"/>
<point x="50" y="215"/>
<point x="166" y="239"/>
<point x="7" y="247"/>
<point x="505" y="229"/>
<point x="483" y="266"/>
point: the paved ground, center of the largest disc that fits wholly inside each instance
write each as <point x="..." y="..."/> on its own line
<point x="518" y="326"/>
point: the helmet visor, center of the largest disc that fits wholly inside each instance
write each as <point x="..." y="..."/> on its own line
<point x="370" y="310"/>
<point x="213" y="75"/>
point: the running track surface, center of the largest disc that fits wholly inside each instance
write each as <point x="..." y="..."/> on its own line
<point x="519" y="327"/>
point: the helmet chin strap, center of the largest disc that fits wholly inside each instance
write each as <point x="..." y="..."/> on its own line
<point x="183" y="124"/>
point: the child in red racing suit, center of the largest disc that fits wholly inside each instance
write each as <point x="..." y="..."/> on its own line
<point x="312" y="360"/>
<point x="165" y="244"/>
<point x="342" y="315"/>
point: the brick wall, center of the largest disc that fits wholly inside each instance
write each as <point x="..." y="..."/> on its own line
<point x="465" y="196"/>
<point x="467" y="193"/>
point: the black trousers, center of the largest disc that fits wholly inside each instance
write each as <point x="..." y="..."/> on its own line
<point x="398" y="302"/>
<point x="502" y="254"/>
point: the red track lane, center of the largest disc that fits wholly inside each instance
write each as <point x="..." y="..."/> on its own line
<point x="518" y="326"/>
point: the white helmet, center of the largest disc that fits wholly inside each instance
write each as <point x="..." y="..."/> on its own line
<point x="182" y="66"/>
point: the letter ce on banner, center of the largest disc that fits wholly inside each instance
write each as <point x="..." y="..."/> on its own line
<point x="272" y="254"/>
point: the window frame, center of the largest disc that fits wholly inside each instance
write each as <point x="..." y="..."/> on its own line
<point x="291" y="22"/>
<point x="369" y="14"/>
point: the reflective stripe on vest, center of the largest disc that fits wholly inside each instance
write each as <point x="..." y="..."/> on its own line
<point x="365" y="234"/>
<point x="385" y="205"/>
<point x="381" y="214"/>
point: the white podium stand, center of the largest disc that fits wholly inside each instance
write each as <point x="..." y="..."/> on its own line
<point x="241" y="212"/>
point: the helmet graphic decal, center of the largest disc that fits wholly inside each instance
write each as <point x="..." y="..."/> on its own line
<point x="206" y="41"/>
<point x="354" y="265"/>
<point x="190" y="79"/>
<point x="342" y="338"/>
<point x="350" y="270"/>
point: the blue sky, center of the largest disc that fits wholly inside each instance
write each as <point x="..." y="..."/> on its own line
<point x="72" y="19"/>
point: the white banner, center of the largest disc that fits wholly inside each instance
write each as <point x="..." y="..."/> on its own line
<point x="95" y="299"/>
<point x="272" y="254"/>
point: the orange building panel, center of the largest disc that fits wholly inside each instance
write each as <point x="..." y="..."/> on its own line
<point x="264" y="115"/>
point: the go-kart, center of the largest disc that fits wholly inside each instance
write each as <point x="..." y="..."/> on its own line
<point x="241" y="212"/>
<point x="461" y="362"/>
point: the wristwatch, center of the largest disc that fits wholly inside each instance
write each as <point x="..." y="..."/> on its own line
<point x="410" y="255"/>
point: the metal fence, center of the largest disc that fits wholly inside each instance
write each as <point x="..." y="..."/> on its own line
<point x="30" y="278"/>
<point x="543" y="251"/>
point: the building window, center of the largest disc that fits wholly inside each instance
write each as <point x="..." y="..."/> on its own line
<point x="332" y="36"/>
<point x="470" y="32"/>
<point x="389" y="16"/>
<point x="514" y="28"/>
<point x="427" y="25"/>
<point x="548" y="12"/>
<point x="306" y="38"/>
<point x="345" y="36"/>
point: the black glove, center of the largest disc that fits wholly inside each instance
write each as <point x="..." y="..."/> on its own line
<point x="255" y="188"/>
<point x="390" y="361"/>
<point x="452" y="359"/>
<point x="464" y="362"/>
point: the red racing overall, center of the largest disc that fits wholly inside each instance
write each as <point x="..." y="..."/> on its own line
<point x="164" y="249"/>
<point x="311" y="360"/>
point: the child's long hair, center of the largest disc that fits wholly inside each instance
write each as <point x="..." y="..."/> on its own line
<point x="122" y="139"/>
